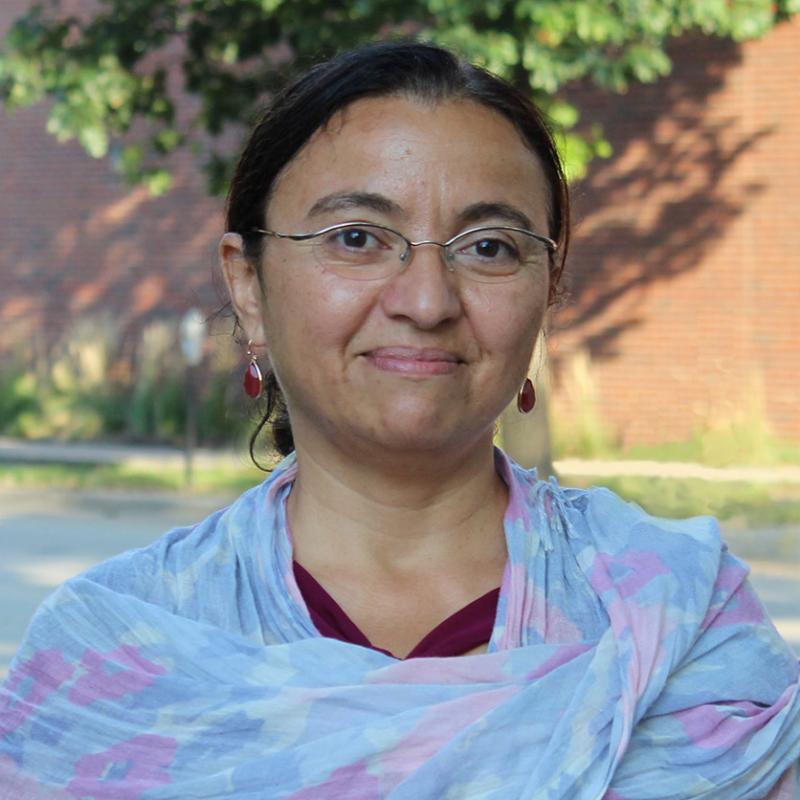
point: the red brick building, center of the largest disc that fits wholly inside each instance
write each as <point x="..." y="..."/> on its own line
<point x="76" y="241"/>
<point x="684" y="269"/>
<point x="686" y="258"/>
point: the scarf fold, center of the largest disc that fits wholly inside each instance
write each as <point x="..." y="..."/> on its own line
<point x="629" y="660"/>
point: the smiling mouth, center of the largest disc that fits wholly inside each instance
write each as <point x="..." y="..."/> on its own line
<point x="421" y="361"/>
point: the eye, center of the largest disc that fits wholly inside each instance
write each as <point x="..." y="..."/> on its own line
<point x="353" y="237"/>
<point x="492" y="248"/>
<point x="357" y="238"/>
<point x="357" y="244"/>
<point x="488" y="245"/>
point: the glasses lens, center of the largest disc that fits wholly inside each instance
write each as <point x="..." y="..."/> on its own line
<point x="360" y="251"/>
<point x="496" y="254"/>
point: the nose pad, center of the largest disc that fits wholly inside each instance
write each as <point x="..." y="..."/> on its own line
<point x="426" y="295"/>
<point x="449" y="259"/>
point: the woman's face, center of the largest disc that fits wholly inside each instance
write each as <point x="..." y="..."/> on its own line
<point x="427" y="358"/>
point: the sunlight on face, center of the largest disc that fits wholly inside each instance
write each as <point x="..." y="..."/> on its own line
<point x="424" y="358"/>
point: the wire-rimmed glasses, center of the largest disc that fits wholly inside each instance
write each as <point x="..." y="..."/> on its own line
<point x="368" y="251"/>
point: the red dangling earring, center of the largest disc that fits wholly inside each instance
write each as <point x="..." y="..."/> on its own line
<point x="253" y="379"/>
<point x="526" y="399"/>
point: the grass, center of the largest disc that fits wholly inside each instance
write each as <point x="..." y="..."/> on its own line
<point x="758" y="505"/>
<point x="744" y="442"/>
<point x="158" y="479"/>
<point x="87" y="389"/>
<point x="739" y="433"/>
<point x="718" y="451"/>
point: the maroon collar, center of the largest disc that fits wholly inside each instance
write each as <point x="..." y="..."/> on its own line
<point x="466" y="629"/>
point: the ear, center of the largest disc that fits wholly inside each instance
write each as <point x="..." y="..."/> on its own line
<point x="243" y="286"/>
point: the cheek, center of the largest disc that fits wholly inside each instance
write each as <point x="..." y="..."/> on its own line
<point x="308" y="311"/>
<point x="507" y="319"/>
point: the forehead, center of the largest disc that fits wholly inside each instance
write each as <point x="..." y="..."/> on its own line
<point x="428" y="158"/>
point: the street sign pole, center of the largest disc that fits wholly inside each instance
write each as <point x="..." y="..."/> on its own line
<point x="193" y="339"/>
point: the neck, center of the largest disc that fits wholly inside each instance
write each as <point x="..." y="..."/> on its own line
<point x="396" y="515"/>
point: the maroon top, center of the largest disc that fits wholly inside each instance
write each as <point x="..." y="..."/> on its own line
<point x="460" y="632"/>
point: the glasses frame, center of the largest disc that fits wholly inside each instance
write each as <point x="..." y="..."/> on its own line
<point x="552" y="247"/>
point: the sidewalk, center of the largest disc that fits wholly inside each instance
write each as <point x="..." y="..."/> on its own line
<point x="45" y="539"/>
<point x="143" y="456"/>
<point x="678" y="469"/>
<point x="139" y="456"/>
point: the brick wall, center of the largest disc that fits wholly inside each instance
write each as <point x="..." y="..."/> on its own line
<point x="684" y="268"/>
<point x="685" y="274"/>
<point x="77" y="241"/>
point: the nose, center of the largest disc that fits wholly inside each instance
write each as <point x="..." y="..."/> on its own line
<point x="424" y="291"/>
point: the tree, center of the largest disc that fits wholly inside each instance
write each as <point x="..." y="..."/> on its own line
<point x="115" y="65"/>
<point x="144" y="78"/>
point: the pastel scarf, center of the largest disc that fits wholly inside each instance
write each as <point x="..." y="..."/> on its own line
<point x="629" y="660"/>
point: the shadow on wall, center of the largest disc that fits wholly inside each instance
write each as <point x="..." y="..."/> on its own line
<point x="664" y="199"/>
<point x="78" y="242"/>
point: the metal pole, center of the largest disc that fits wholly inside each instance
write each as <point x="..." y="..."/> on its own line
<point x="193" y="337"/>
<point x="191" y="426"/>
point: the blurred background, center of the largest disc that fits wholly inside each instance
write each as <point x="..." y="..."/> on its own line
<point x="671" y="371"/>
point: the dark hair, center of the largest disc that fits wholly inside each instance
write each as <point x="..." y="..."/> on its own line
<point x="423" y="71"/>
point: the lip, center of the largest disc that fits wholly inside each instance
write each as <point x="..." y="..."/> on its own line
<point x="414" y="360"/>
<point x="415" y="354"/>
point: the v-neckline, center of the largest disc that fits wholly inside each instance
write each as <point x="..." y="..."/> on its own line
<point x="459" y="633"/>
<point x="506" y="631"/>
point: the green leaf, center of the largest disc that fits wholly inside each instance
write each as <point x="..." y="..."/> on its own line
<point x="167" y="140"/>
<point x="563" y="114"/>
<point x="603" y="149"/>
<point x="94" y="139"/>
<point x="158" y="181"/>
<point x="106" y="72"/>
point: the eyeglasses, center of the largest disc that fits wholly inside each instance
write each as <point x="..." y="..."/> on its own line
<point x="368" y="251"/>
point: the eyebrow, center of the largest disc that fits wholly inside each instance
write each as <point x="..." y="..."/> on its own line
<point x="478" y="212"/>
<point x="343" y="200"/>
<point x="474" y="213"/>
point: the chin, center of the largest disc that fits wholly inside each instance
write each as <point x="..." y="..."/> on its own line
<point x="413" y="445"/>
<point x="419" y="430"/>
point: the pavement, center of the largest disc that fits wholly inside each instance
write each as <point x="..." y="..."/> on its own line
<point x="45" y="539"/>
<point x="677" y="469"/>
<point x="140" y="456"/>
<point x="15" y="450"/>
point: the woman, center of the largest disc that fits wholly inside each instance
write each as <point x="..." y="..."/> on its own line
<point x="398" y="610"/>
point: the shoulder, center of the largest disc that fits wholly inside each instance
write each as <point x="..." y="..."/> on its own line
<point x="631" y="555"/>
<point x="212" y="551"/>
<point x="605" y="522"/>
<point x="628" y="555"/>
<point x="672" y="586"/>
<point x="207" y="572"/>
<point x="615" y="525"/>
<point x="677" y="577"/>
